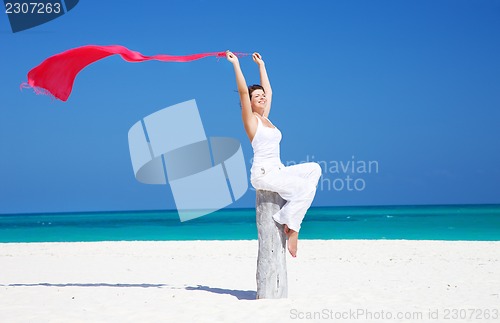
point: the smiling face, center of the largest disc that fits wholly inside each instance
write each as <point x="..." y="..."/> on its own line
<point x="258" y="100"/>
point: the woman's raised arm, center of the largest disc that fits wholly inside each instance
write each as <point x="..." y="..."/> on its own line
<point x="249" y="121"/>
<point x="264" y="82"/>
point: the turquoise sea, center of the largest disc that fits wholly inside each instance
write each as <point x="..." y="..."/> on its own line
<point x="463" y="222"/>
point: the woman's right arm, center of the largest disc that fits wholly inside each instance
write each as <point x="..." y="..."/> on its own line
<point x="249" y="121"/>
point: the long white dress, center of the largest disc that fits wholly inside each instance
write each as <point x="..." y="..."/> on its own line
<point x="296" y="184"/>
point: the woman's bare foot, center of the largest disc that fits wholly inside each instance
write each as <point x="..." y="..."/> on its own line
<point x="293" y="239"/>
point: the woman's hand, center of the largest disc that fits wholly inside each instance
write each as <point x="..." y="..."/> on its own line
<point x="231" y="57"/>
<point x="257" y="59"/>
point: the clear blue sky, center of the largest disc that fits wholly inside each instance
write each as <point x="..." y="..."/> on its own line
<point x="412" y="86"/>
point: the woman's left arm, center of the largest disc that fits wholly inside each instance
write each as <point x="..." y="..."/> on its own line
<point x="264" y="82"/>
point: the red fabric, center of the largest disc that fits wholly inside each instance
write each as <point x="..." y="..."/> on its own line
<point x="56" y="75"/>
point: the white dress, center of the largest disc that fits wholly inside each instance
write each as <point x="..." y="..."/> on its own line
<point x="296" y="184"/>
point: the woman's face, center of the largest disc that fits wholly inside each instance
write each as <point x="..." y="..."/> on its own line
<point x="258" y="101"/>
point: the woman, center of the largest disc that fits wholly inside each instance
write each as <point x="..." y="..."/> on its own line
<point x="296" y="184"/>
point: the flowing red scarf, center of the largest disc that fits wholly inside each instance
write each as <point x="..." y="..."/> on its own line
<point x="55" y="75"/>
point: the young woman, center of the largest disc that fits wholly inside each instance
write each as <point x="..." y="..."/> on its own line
<point x="296" y="184"/>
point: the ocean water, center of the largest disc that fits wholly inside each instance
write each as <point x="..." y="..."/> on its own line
<point x="464" y="222"/>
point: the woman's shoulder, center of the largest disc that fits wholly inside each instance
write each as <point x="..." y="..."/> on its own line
<point x="256" y="115"/>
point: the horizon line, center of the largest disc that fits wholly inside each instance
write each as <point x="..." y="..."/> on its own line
<point x="250" y="208"/>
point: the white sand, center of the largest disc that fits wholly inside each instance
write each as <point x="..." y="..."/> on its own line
<point x="214" y="281"/>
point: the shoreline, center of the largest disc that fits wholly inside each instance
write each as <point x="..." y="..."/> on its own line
<point x="238" y="240"/>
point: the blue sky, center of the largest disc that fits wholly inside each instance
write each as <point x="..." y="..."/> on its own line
<point x="411" y="86"/>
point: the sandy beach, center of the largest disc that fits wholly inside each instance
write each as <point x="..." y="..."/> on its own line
<point x="214" y="281"/>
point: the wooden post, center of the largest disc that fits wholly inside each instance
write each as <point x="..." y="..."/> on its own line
<point x="271" y="261"/>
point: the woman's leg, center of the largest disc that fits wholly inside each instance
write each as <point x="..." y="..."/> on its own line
<point x="297" y="185"/>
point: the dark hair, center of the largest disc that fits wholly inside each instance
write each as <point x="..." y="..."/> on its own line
<point x="254" y="87"/>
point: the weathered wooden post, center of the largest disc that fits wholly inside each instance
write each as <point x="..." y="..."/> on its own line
<point x="271" y="261"/>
